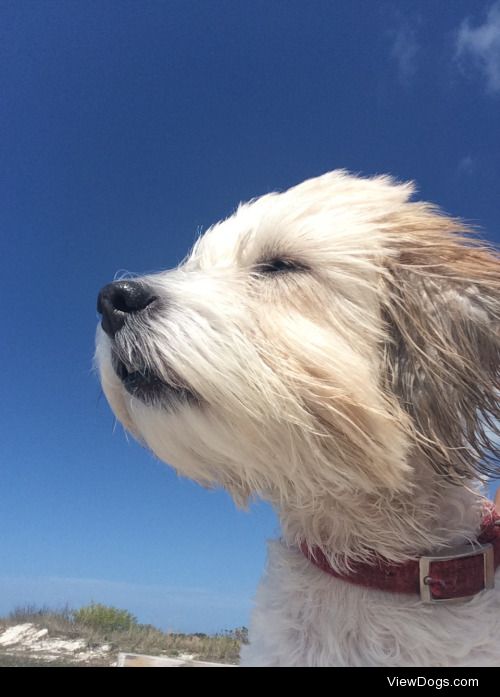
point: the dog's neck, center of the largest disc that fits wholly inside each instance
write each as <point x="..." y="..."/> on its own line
<point x="434" y="514"/>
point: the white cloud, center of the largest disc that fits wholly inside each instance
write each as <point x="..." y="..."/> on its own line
<point x="481" y="46"/>
<point x="404" y="50"/>
<point x="466" y="165"/>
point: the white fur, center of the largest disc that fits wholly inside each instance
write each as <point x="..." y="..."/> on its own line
<point x="303" y="400"/>
<point x="303" y="617"/>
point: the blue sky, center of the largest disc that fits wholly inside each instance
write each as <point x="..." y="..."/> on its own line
<point x="126" y="127"/>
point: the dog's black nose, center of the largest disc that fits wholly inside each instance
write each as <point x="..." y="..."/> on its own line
<point x="118" y="300"/>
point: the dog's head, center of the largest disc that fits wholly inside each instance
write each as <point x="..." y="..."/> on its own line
<point x="335" y="337"/>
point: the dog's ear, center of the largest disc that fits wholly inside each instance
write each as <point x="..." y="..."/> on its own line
<point x="441" y="304"/>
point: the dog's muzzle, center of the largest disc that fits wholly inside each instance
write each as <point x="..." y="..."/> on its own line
<point x="120" y="303"/>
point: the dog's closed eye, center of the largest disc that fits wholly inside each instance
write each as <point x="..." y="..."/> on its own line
<point x="279" y="265"/>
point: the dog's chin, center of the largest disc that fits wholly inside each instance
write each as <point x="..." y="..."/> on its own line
<point x="152" y="390"/>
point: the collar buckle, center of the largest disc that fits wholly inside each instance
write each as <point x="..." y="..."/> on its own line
<point x="486" y="551"/>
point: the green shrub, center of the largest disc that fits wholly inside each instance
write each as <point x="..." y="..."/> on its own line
<point x="105" y="619"/>
<point x="98" y="623"/>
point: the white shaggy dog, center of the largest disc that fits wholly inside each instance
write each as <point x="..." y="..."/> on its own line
<point x="333" y="349"/>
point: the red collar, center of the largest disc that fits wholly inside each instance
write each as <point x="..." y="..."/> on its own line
<point x="459" y="574"/>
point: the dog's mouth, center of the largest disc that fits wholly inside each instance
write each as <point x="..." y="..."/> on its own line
<point x="149" y="388"/>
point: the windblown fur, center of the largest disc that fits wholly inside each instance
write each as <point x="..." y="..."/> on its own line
<point x="339" y="344"/>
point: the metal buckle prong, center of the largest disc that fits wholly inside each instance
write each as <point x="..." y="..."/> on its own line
<point x="485" y="550"/>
